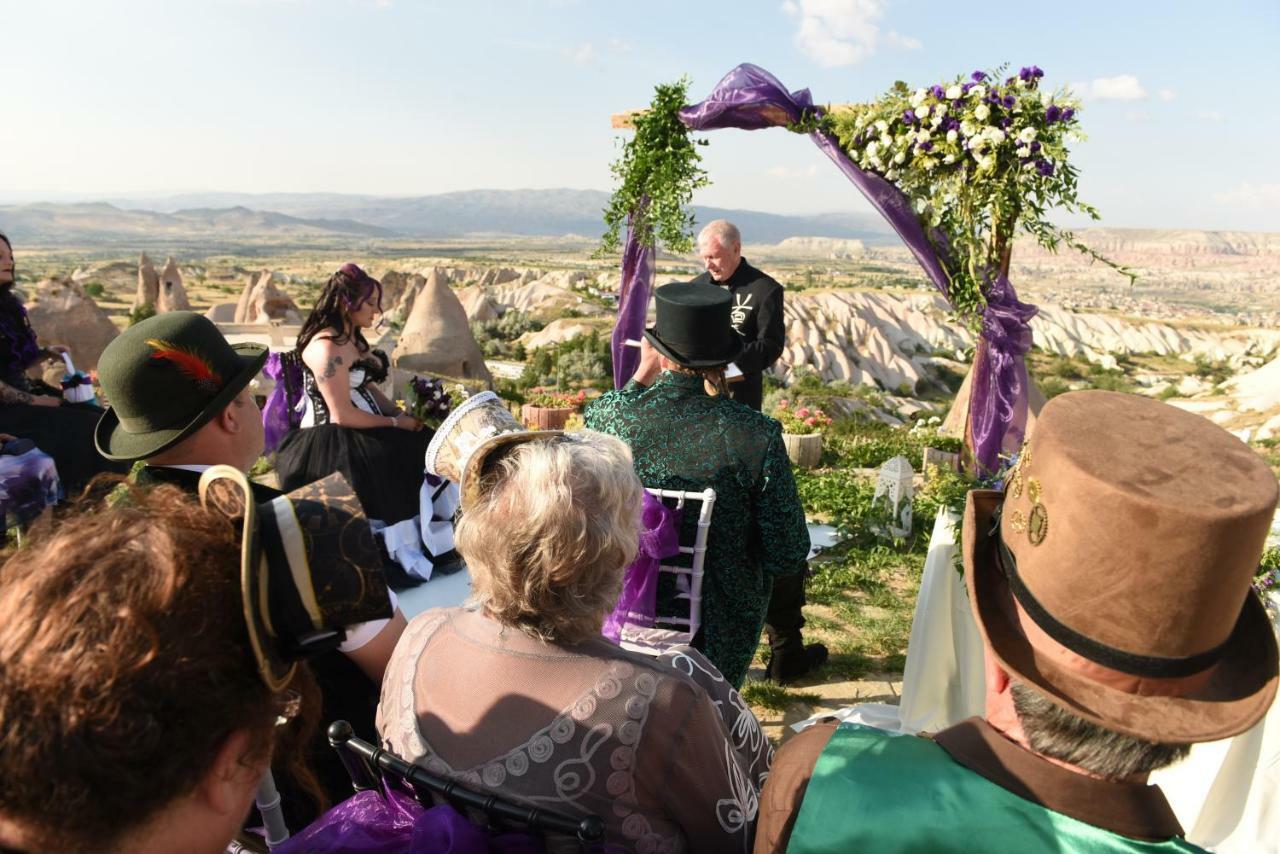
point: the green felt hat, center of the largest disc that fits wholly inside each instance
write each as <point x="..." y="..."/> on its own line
<point x="165" y="378"/>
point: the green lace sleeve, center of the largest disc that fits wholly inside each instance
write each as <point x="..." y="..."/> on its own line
<point x="784" y="538"/>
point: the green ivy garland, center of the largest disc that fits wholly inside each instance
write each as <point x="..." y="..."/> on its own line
<point x="657" y="173"/>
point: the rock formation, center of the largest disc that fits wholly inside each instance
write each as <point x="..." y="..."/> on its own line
<point x="61" y="313"/>
<point x="437" y="337"/>
<point x="173" y="297"/>
<point x="148" y="284"/>
<point x="479" y="307"/>
<point x="263" y="302"/>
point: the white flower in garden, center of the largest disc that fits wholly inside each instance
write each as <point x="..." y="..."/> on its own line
<point x="950" y="158"/>
<point x="952" y="136"/>
<point x="918" y="97"/>
<point x="994" y="134"/>
<point x="921" y="204"/>
<point x="967" y="127"/>
<point x="978" y="92"/>
<point x="882" y="125"/>
<point x="922" y="111"/>
<point x="899" y="157"/>
<point x="937" y="120"/>
<point x="872" y="148"/>
<point x="923" y="135"/>
<point x="929" y="164"/>
<point x="1028" y="135"/>
<point x="982" y="112"/>
<point x="1023" y="151"/>
<point x="885" y="139"/>
<point x="954" y="92"/>
<point x="940" y="109"/>
<point x="891" y="174"/>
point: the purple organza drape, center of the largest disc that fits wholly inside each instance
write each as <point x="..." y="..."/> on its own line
<point x="751" y="98"/>
<point x="279" y="416"/>
<point x="633" y="305"/>
<point x="659" y="538"/>
<point x="377" y="823"/>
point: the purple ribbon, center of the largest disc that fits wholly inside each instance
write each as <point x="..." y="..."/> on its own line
<point x="280" y="415"/>
<point x="659" y="539"/>
<point x="372" y="822"/>
<point x="633" y="304"/>
<point x="751" y="98"/>
<point x="79" y="378"/>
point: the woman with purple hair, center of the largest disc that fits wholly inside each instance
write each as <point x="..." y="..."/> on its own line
<point x="347" y="424"/>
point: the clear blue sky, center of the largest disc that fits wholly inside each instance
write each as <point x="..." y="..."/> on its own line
<point x="402" y="97"/>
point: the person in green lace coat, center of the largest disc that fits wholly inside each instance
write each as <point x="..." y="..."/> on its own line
<point x="683" y="438"/>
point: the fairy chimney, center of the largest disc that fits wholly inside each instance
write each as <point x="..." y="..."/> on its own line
<point x="62" y="313"/>
<point x="263" y="302"/>
<point x="148" y="284"/>
<point x="437" y="338"/>
<point x="173" y="297"/>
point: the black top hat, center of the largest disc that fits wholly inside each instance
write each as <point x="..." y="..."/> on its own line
<point x="309" y="569"/>
<point x="692" y="327"/>
<point x="165" y="378"/>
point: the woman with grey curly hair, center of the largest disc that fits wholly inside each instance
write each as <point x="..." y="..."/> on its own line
<point x="520" y="693"/>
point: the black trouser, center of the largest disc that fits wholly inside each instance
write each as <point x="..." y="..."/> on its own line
<point x="784" y="618"/>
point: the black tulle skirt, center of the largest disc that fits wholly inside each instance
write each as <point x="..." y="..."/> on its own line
<point x="384" y="465"/>
<point x="65" y="433"/>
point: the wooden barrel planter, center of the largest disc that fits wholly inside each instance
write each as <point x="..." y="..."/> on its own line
<point x="804" y="450"/>
<point x="545" y="417"/>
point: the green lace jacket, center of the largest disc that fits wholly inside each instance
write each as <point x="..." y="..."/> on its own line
<point x="682" y="438"/>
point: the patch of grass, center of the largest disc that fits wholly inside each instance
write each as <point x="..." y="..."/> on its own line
<point x="774" y="697"/>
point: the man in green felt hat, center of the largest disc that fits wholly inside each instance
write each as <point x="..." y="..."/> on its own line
<point x="180" y="400"/>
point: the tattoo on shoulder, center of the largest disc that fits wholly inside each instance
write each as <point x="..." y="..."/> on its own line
<point x="331" y="368"/>
<point x="9" y="394"/>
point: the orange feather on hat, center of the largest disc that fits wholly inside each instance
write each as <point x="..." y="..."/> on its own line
<point x="191" y="363"/>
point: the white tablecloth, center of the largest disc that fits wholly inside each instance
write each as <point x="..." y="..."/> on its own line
<point x="1226" y="793"/>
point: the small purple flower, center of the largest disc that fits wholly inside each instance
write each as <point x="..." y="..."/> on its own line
<point x="1024" y="74"/>
<point x="1035" y="146"/>
<point x="1067" y="114"/>
<point x="951" y="124"/>
<point x="1053" y="113"/>
<point x="964" y="88"/>
<point x="937" y="91"/>
<point x="1005" y="122"/>
<point x="1044" y="167"/>
<point x="1009" y="101"/>
<point x="908" y="117"/>
<point x="978" y="76"/>
<point x="926" y="146"/>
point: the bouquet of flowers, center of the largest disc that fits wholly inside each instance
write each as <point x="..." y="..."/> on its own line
<point x="550" y="399"/>
<point x="980" y="158"/>
<point x="801" y="420"/>
<point x="427" y="400"/>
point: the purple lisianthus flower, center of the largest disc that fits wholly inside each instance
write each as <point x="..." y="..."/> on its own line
<point x="965" y="87"/>
<point x="937" y="91"/>
<point x="1024" y="74"/>
<point x="1035" y="146"/>
<point x="1044" y="167"/>
<point x="1009" y="101"/>
<point x="1005" y="122"/>
<point x="978" y="76"/>
<point x="1067" y="114"/>
<point x="1036" y="72"/>
<point x="926" y="146"/>
<point x="1053" y="113"/>
<point x="908" y="117"/>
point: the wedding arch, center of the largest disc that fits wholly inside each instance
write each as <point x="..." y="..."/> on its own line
<point x="958" y="169"/>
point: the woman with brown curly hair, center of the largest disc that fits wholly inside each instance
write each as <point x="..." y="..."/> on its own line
<point x="132" y="714"/>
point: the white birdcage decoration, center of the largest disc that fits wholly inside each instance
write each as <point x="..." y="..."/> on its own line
<point x="894" y="490"/>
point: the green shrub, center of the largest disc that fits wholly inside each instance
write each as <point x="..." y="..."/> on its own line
<point x="94" y="289"/>
<point x="141" y="313"/>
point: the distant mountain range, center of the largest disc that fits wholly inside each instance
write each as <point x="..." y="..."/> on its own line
<point x="308" y="216"/>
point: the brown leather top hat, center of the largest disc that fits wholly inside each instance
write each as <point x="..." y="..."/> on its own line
<point x="479" y="426"/>
<point x="309" y="569"/>
<point x="691" y="326"/>
<point x="1114" y="572"/>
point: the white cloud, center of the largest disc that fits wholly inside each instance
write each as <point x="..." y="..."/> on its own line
<point x="842" y="32"/>
<point x="1167" y="94"/>
<point x="583" y="54"/>
<point x="1251" y="196"/>
<point x="1123" y="87"/>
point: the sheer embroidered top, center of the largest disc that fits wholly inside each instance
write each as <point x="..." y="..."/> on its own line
<point x="371" y="369"/>
<point x="663" y="750"/>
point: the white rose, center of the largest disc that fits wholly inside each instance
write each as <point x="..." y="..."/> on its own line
<point x="885" y="139"/>
<point x="994" y="134"/>
<point x="921" y="204"/>
<point x="937" y="120"/>
<point x="882" y="125"/>
<point x="954" y="92"/>
<point x="919" y="96"/>
<point x="930" y="164"/>
<point x="939" y="109"/>
<point x="966" y="127"/>
<point x="922" y="112"/>
<point x="952" y="136"/>
<point x="1023" y="151"/>
<point x="1028" y="135"/>
<point x="899" y="157"/>
<point x="923" y="135"/>
<point x="950" y="158"/>
<point x="872" y="148"/>
<point x="978" y="92"/>
<point x="982" y="112"/>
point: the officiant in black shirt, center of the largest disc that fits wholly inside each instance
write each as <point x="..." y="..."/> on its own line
<point x="756" y="316"/>
<point x="757" y="307"/>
